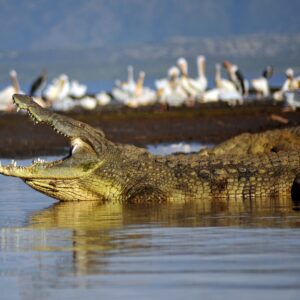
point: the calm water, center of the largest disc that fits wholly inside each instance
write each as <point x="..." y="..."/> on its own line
<point x="90" y="251"/>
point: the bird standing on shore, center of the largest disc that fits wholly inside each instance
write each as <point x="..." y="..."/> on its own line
<point x="261" y="84"/>
<point x="171" y="92"/>
<point x="224" y="90"/>
<point x="236" y="76"/>
<point x="38" y="84"/>
<point x="200" y="83"/>
<point x="185" y="81"/>
<point x="6" y="103"/>
<point x="291" y="84"/>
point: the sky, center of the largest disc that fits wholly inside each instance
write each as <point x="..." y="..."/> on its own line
<point x="52" y="24"/>
<point x="97" y="39"/>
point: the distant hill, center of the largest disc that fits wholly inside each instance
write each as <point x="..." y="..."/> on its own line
<point x="97" y="39"/>
<point x="49" y="24"/>
<point x="251" y="52"/>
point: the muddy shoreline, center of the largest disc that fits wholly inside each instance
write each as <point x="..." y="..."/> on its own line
<point x="210" y="124"/>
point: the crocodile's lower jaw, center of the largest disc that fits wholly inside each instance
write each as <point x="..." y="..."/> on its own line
<point x="43" y="169"/>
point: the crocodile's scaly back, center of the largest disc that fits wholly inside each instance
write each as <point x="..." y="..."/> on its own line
<point x="98" y="169"/>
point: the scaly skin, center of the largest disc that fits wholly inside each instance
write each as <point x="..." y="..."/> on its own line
<point x="98" y="169"/>
<point x="269" y="141"/>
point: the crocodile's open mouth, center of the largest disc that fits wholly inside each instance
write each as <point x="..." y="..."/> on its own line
<point x="74" y="131"/>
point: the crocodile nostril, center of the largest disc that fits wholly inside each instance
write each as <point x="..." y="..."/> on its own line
<point x="52" y="183"/>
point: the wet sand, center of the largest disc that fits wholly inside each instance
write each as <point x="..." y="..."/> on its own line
<point x="205" y="124"/>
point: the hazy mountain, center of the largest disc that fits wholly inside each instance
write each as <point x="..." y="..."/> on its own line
<point x="50" y="24"/>
<point x="97" y="39"/>
<point x="251" y="52"/>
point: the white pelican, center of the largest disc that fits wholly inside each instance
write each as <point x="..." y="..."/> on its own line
<point x="130" y="81"/>
<point x="210" y="96"/>
<point x="173" y="94"/>
<point x="139" y="84"/>
<point x="129" y="86"/>
<point x="163" y="83"/>
<point x="58" y="89"/>
<point x="261" y="84"/>
<point x="38" y="84"/>
<point x="224" y="91"/>
<point x="65" y="104"/>
<point x="87" y="102"/>
<point x="120" y="95"/>
<point x="213" y="95"/>
<point x="145" y="95"/>
<point x="160" y="83"/>
<point x="103" y="98"/>
<point x="223" y="83"/>
<point x="236" y="76"/>
<point x="6" y="103"/>
<point x="142" y="95"/>
<point x="68" y="104"/>
<point x="185" y="81"/>
<point x="124" y="89"/>
<point x="200" y="83"/>
<point x="77" y="90"/>
<point x="134" y="94"/>
<point x="291" y="84"/>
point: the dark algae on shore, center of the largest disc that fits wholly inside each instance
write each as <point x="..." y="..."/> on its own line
<point x="209" y="124"/>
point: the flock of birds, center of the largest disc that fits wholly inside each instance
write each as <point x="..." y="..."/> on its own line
<point x="177" y="89"/>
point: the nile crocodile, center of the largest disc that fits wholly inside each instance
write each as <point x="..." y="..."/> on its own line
<point x="98" y="169"/>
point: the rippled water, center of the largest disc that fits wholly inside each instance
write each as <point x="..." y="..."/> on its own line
<point x="90" y="251"/>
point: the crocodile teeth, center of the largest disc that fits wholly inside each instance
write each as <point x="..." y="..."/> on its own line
<point x="38" y="161"/>
<point x="13" y="163"/>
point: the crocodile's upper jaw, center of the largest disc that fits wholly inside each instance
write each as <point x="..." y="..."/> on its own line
<point x="85" y="147"/>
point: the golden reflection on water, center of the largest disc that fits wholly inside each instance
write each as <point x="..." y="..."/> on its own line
<point x="93" y="215"/>
<point x="91" y="232"/>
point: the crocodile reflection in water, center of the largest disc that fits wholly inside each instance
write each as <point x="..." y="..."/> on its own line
<point x="262" y="166"/>
<point x="98" y="229"/>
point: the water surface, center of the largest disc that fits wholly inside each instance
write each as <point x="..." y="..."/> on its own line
<point x="78" y="250"/>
